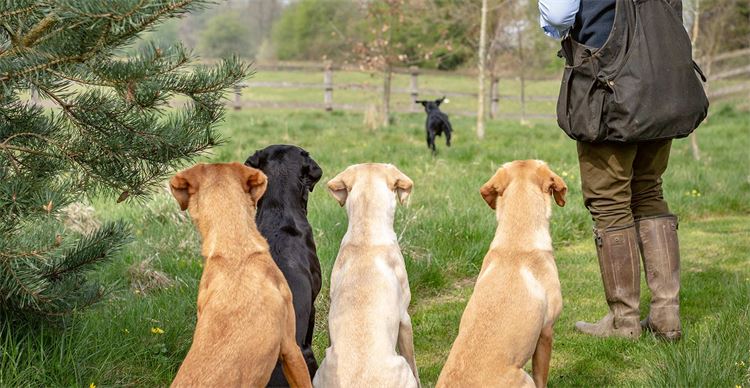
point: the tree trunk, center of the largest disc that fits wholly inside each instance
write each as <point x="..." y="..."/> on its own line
<point x="522" y="76"/>
<point x="387" y="73"/>
<point x="694" y="39"/>
<point x="482" y="69"/>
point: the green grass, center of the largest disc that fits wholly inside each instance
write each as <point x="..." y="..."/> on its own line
<point x="444" y="235"/>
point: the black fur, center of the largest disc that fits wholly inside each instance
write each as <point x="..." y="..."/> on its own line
<point x="437" y="123"/>
<point x="282" y="220"/>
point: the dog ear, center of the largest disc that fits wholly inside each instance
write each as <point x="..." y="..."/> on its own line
<point x="184" y="184"/>
<point x="311" y="173"/>
<point x="552" y="183"/>
<point x="440" y="101"/>
<point x="494" y="187"/>
<point x="424" y="103"/>
<point x="255" y="159"/>
<point x="401" y="184"/>
<point x="255" y="181"/>
<point x="338" y="187"/>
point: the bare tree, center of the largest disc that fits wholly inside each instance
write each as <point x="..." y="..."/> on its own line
<point x="482" y="69"/>
<point x="385" y="44"/>
<point x="694" y="7"/>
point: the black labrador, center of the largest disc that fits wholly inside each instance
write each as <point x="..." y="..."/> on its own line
<point x="437" y="122"/>
<point x="282" y="220"/>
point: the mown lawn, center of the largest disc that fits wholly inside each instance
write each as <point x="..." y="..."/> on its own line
<point x="140" y="339"/>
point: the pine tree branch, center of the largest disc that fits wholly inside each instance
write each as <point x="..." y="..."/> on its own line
<point x="13" y="39"/>
<point x="31" y="37"/>
<point x="111" y="15"/>
<point x="18" y="11"/>
<point x="9" y="138"/>
<point x="81" y="80"/>
<point x="114" y="133"/>
<point x="43" y="66"/>
<point x="20" y="284"/>
<point x="27" y="150"/>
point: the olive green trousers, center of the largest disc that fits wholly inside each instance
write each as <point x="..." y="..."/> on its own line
<point x="622" y="182"/>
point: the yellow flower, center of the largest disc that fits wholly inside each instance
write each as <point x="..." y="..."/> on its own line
<point x="157" y="330"/>
<point x="126" y="331"/>
<point x="92" y="385"/>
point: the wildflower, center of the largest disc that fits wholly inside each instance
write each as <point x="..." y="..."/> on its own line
<point x="92" y="385"/>
<point x="157" y="330"/>
<point x="126" y="331"/>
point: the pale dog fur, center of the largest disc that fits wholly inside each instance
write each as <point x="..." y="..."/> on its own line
<point x="246" y="319"/>
<point x="516" y="299"/>
<point x="369" y="291"/>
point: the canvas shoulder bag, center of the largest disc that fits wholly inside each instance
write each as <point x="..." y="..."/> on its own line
<point x="642" y="84"/>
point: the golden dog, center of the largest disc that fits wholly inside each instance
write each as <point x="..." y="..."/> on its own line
<point x="368" y="318"/>
<point x="516" y="298"/>
<point x="245" y="313"/>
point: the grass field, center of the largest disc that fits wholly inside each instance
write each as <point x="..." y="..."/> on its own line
<point x="138" y="339"/>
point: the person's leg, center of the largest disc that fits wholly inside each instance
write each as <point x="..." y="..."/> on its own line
<point x="649" y="164"/>
<point x="657" y="237"/>
<point x="606" y="172"/>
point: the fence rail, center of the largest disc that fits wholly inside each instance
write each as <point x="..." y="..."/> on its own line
<point x="328" y="86"/>
<point x="739" y="75"/>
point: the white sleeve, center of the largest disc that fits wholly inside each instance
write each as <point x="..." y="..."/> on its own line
<point x="557" y="16"/>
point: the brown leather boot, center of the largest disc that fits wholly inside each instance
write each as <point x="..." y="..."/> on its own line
<point x="661" y="260"/>
<point x="617" y="249"/>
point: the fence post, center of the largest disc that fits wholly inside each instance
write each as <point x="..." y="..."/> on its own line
<point x="494" y="97"/>
<point x="413" y="87"/>
<point x="328" y="87"/>
<point x="238" y="96"/>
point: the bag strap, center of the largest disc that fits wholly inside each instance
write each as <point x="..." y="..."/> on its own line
<point x="700" y="72"/>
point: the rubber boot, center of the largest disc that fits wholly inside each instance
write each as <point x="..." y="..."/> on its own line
<point x="661" y="259"/>
<point x="617" y="249"/>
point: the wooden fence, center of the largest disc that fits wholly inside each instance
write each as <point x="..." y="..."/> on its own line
<point x="738" y="74"/>
<point x="414" y="91"/>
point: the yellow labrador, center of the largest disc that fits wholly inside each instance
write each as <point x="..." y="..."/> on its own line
<point x="516" y="298"/>
<point x="245" y="315"/>
<point x="370" y="293"/>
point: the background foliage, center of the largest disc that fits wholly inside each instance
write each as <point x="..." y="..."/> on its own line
<point x="109" y="134"/>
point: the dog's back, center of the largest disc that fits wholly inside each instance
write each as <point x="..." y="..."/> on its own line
<point x="228" y="307"/>
<point x="363" y="339"/>
<point x="516" y="298"/>
<point x="437" y="122"/>
<point x="242" y="292"/>
<point x="282" y="220"/>
<point x="516" y="312"/>
<point x="370" y="294"/>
